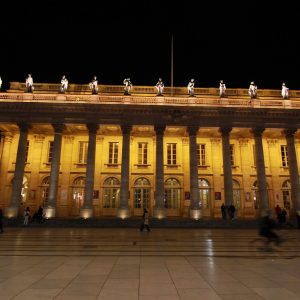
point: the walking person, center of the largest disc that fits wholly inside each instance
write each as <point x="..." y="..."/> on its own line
<point x="145" y="221"/>
<point x="223" y="210"/>
<point x="1" y="221"/>
<point x="26" y="215"/>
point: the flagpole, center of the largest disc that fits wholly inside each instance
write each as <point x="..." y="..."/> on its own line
<point x="172" y="67"/>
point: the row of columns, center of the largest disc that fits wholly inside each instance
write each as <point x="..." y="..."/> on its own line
<point x="159" y="208"/>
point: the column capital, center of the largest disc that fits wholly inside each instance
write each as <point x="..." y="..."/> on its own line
<point x="192" y="129"/>
<point x="92" y="127"/>
<point x="225" y="130"/>
<point x="257" y="131"/>
<point x="23" y="126"/>
<point x="289" y="132"/>
<point x="126" y="129"/>
<point x="159" y="129"/>
<point x="58" y="127"/>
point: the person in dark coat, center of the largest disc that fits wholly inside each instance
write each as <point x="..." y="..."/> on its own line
<point x="223" y="210"/>
<point x="231" y="211"/>
<point x="145" y="221"/>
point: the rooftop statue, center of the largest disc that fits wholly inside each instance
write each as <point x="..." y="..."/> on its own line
<point x="284" y="91"/>
<point x="190" y="87"/>
<point x="64" y="84"/>
<point x="160" y="87"/>
<point x="128" y="86"/>
<point x="29" y="84"/>
<point x="222" y="89"/>
<point x="94" y="85"/>
<point x="252" y="90"/>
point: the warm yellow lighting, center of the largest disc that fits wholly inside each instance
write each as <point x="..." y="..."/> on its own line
<point x="11" y="212"/>
<point x="49" y="212"/>
<point x="195" y="214"/>
<point x="123" y="213"/>
<point x="86" y="213"/>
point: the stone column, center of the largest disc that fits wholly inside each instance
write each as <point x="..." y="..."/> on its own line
<point x="12" y="210"/>
<point x="87" y="210"/>
<point x="123" y="211"/>
<point x="195" y="210"/>
<point x="260" y="169"/>
<point x="159" y="209"/>
<point x="50" y="209"/>
<point x="228" y="189"/>
<point x="293" y="168"/>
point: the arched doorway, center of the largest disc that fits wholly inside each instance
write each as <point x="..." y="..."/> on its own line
<point x="236" y="194"/>
<point x="111" y="196"/>
<point x="205" y="196"/>
<point x="77" y="195"/>
<point x="286" y="194"/>
<point x="141" y="195"/>
<point x="255" y="195"/>
<point x="45" y="190"/>
<point x="172" y="196"/>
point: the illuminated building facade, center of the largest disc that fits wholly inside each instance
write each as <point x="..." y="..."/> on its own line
<point x="110" y="155"/>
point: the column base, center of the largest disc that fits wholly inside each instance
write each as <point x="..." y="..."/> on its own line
<point x="123" y="213"/>
<point x="49" y="212"/>
<point x="159" y="213"/>
<point x="11" y="212"/>
<point x="195" y="214"/>
<point x="86" y="213"/>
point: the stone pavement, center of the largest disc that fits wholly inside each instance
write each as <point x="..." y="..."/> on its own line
<point x="164" y="264"/>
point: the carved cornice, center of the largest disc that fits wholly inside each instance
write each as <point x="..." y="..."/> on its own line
<point x="215" y="141"/>
<point x="39" y="138"/>
<point x="69" y="139"/>
<point x="272" y="142"/>
<point x="243" y="142"/>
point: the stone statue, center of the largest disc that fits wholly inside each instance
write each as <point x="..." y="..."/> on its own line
<point x="252" y="90"/>
<point x="128" y="86"/>
<point x="190" y="88"/>
<point x="29" y="84"/>
<point x="0" y="82"/>
<point x="94" y="85"/>
<point x="64" y="84"/>
<point x="160" y="87"/>
<point x="222" y="89"/>
<point x="284" y="91"/>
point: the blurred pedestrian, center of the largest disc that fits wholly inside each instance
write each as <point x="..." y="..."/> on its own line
<point x="145" y="221"/>
<point x="26" y="215"/>
<point x="223" y="210"/>
<point x="1" y="221"/>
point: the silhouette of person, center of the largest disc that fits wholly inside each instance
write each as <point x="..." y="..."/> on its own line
<point x="145" y="221"/>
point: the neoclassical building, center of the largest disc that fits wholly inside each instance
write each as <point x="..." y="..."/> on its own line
<point x="110" y="155"/>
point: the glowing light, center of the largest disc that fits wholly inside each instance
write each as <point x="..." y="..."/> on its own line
<point x="86" y="213"/>
<point x="196" y="214"/>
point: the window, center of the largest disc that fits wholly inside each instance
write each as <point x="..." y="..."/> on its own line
<point x="113" y="153"/>
<point x="232" y="155"/>
<point x="171" y="154"/>
<point x="201" y="155"/>
<point x="236" y="193"/>
<point x="172" y="194"/>
<point x="142" y="193"/>
<point x="83" y="147"/>
<point x="284" y="156"/>
<point x="45" y="190"/>
<point x="111" y="193"/>
<point x="26" y="151"/>
<point x="50" y="151"/>
<point x="142" y="153"/>
<point x="204" y="193"/>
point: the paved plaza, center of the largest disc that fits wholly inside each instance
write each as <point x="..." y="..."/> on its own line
<point x="164" y="264"/>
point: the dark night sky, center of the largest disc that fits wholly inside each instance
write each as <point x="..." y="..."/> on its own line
<point x="113" y="40"/>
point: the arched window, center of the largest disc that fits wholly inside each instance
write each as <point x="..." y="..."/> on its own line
<point x="286" y="194"/>
<point x="204" y="193"/>
<point x="78" y="193"/>
<point x="111" y="193"/>
<point x="45" y="190"/>
<point x="142" y="193"/>
<point x="172" y="193"/>
<point x="236" y="193"/>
